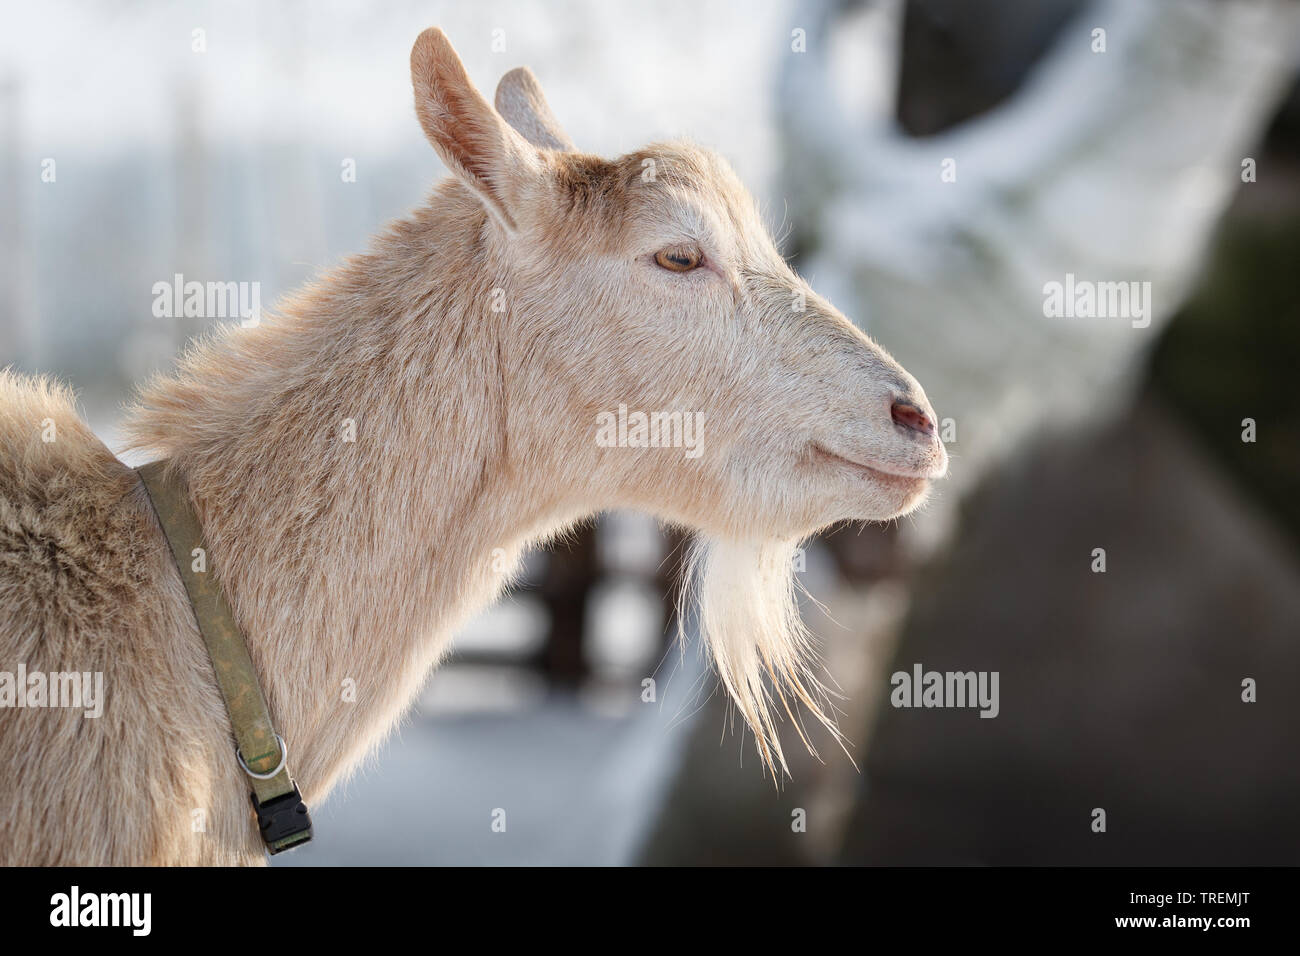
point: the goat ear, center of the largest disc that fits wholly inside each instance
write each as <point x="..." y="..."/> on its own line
<point x="469" y="135"/>
<point x="519" y="99"/>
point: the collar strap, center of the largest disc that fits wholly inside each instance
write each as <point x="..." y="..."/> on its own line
<point x="281" y="815"/>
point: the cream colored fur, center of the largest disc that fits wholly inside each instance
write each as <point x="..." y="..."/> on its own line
<point x="473" y="347"/>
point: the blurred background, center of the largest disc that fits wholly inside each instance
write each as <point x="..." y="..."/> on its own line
<point x="930" y="165"/>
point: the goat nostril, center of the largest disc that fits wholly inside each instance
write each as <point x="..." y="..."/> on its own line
<point x="909" y="416"/>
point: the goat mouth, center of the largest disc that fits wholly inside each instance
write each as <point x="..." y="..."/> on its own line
<point x="891" y="478"/>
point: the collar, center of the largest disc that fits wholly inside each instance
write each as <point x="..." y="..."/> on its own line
<point x="282" y="817"/>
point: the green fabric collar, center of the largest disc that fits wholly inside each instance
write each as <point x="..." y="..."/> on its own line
<point x="282" y="817"/>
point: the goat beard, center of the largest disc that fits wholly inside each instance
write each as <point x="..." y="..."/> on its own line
<point x="748" y="615"/>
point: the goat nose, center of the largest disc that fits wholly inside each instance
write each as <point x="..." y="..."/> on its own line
<point x="909" y="416"/>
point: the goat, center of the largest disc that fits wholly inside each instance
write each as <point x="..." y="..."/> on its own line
<point x="362" y="459"/>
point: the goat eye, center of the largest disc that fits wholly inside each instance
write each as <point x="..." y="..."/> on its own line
<point x="679" y="260"/>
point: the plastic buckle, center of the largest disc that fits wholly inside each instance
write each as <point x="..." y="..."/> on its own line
<point x="283" y="821"/>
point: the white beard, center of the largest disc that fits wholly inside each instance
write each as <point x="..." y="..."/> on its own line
<point x="749" y="618"/>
